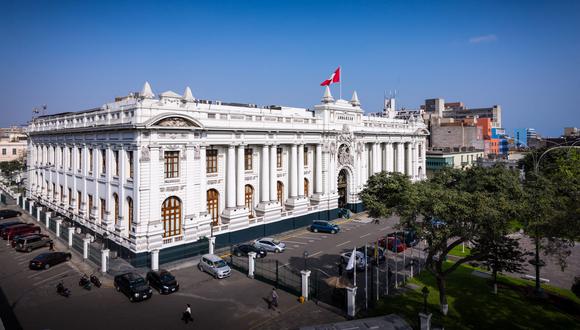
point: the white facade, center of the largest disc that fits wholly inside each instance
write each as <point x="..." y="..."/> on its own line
<point x="263" y="155"/>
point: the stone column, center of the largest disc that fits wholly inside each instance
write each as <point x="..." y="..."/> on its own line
<point x="379" y="158"/>
<point x="231" y="178"/>
<point x="318" y="169"/>
<point x="273" y="173"/>
<point x="305" y="283"/>
<point x="265" y="174"/>
<point x="155" y="259"/>
<point x="211" y="242"/>
<point x="400" y="157"/>
<point x="109" y="211"/>
<point x="47" y="216"/>
<point x="86" y="242"/>
<point x="203" y="180"/>
<point x="409" y="160"/>
<point x="120" y="225"/>
<point x="71" y="232"/>
<point x="389" y="157"/>
<point x="293" y="171"/>
<point x="58" y="223"/>
<point x="240" y="178"/>
<point x="300" y="169"/>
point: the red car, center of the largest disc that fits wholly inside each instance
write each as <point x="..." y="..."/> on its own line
<point x="391" y="243"/>
<point x="22" y="229"/>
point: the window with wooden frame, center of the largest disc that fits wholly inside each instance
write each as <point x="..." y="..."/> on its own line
<point x="305" y="156"/>
<point x="279" y="157"/>
<point x="103" y="161"/>
<point x="103" y="209"/>
<point x="70" y="158"/>
<point x="61" y="157"/>
<point x="171" y="214"/>
<point x="211" y="160"/>
<point x="213" y="205"/>
<point x="79" y="200"/>
<point x="280" y="192"/>
<point x="90" y="204"/>
<point x="116" y="207"/>
<point x="80" y="159"/>
<point x="129" y="214"/>
<point x="69" y="196"/>
<point x="171" y="164"/>
<point x="130" y="161"/>
<point x="306" y="187"/>
<point x="249" y="199"/>
<point x="54" y="191"/>
<point x="248" y="159"/>
<point x="116" y="160"/>
<point x="61" y="194"/>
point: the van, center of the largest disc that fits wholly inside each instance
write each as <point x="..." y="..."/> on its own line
<point x="20" y="230"/>
<point x="29" y="243"/>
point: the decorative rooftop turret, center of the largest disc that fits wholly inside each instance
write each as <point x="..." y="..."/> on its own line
<point x="354" y="101"/>
<point x="187" y="95"/>
<point x="327" y="97"/>
<point x="146" y="92"/>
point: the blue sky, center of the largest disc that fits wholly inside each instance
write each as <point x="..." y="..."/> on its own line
<point x="75" y="55"/>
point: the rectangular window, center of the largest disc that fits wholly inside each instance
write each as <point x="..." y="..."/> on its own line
<point x="171" y="164"/>
<point x="130" y="160"/>
<point x="103" y="161"/>
<point x="61" y="157"/>
<point x="14" y="151"/>
<point x="211" y="159"/>
<point x="103" y="209"/>
<point x="3" y="151"/>
<point x="79" y="200"/>
<point x="61" y="194"/>
<point x="90" y="204"/>
<point x="91" y="160"/>
<point x="305" y="156"/>
<point x="116" y="159"/>
<point x="70" y="158"/>
<point x="69" y="196"/>
<point x="54" y="191"/>
<point x="248" y="159"/>
<point x="80" y="159"/>
<point x="279" y="157"/>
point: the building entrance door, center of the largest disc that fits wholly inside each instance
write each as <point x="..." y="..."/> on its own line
<point x="342" y="185"/>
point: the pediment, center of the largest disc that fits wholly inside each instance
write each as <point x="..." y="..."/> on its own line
<point x="175" y="121"/>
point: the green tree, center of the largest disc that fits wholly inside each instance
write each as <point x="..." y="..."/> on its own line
<point x="464" y="202"/>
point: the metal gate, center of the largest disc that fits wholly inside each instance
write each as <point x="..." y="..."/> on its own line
<point x="271" y="272"/>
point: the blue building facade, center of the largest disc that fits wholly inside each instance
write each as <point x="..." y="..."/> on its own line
<point x="521" y="137"/>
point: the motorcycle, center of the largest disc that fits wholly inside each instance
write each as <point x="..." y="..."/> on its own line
<point x="95" y="280"/>
<point x="61" y="290"/>
<point x="85" y="282"/>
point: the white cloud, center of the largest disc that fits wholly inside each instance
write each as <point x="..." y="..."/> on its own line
<point x="482" y="39"/>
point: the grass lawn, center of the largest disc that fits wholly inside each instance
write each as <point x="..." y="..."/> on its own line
<point x="458" y="251"/>
<point x="472" y="305"/>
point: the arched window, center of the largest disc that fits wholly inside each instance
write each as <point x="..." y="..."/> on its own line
<point x="171" y="213"/>
<point x="129" y="214"/>
<point x="213" y="205"/>
<point x="116" y="207"/>
<point x="306" y="186"/>
<point x="250" y="199"/>
<point x="280" y="193"/>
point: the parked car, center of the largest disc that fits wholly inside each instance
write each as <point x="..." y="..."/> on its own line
<point x="5" y="214"/>
<point x="244" y="249"/>
<point x="49" y="259"/>
<point x="324" y="226"/>
<point x="393" y="244"/>
<point x="214" y="265"/>
<point x="360" y="259"/>
<point x="26" y="228"/>
<point x="133" y="286"/>
<point x="269" y="244"/>
<point x="14" y="240"/>
<point x="163" y="281"/>
<point x="8" y="224"/>
<point x="437" y="223"/>
<point x="380" y="253"/>
<point x="31" y="242"/>
<point x="408" y="236"/>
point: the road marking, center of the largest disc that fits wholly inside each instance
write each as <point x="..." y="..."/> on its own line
<point x="365" y="235"/>
<point x="310" y="237"/>
<point x="341" y="244"/>
<point x="293" y="242"/>
<point x="52" y="277"/>
<point x="225" y="255"/>
<point x="312" y="255"/>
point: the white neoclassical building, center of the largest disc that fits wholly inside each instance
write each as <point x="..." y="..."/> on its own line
<point x="160" y="175"/>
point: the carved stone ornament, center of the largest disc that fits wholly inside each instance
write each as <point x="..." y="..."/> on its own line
<point x="332" y="148"/>
<point x="196" y="151"/>
<point x="174" y="122"/>
<point x="344" y="156"/>
<point x="183" y="153"/>
<point x="145" y="156"/>
<point x="359" y="147"/>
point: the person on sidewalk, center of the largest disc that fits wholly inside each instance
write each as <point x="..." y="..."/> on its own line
<point x="186" y="317"/>
<point x="51" y="246"/>
<point x="274" y="301"/>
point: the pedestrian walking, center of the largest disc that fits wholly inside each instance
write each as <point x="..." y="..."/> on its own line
<point x="51" y="246"/>
<point x="274" y="301"/>
<point x="186" y="317"/>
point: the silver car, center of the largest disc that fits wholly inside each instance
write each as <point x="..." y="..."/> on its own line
<point x="360" y="259"/>
<point x="269" y="244"/>
<point x="214" y="265"/>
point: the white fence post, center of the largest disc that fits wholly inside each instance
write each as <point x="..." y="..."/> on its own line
<point x="104" y="260"/>
<point x="211" y="245"/>
<point x="58" y="222"/>
<point x="305" y="283"/>
<point x="38" y="214"/>
<point x="251" y="258"/>
<point x="425" y="321"/>
<point x="30" y="205"/>
<point x="86" y="242"/>
<point x="47" y="218"/>
<point x="351" y="301"/>
<point x="71" y="232"/>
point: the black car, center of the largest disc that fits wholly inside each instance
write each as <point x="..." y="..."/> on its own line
<point x="5" y="214"/>
<point x="46" y="260"/>
<point x="163" y="281"/>
<point x="244" y="249"/>
<point x="133" y="286"/>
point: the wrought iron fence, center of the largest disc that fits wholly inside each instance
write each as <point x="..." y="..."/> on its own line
<point x="77" y="243"/>
<point x="95" y="254"/>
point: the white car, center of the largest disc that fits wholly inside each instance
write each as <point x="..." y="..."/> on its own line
<point x="269" y="244"/>
<point x="360" y="259"/>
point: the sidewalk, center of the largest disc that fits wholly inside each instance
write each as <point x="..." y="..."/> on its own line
<point x="298" y="316"/>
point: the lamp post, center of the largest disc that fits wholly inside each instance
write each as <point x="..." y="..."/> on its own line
<point x="425" y="292"/>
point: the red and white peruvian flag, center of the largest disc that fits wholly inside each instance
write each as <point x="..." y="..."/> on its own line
<point x="334" y="78"/>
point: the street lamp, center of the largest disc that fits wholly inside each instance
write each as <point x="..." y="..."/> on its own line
<point x="425" y="292"/>
<point x="305" y="259"/>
